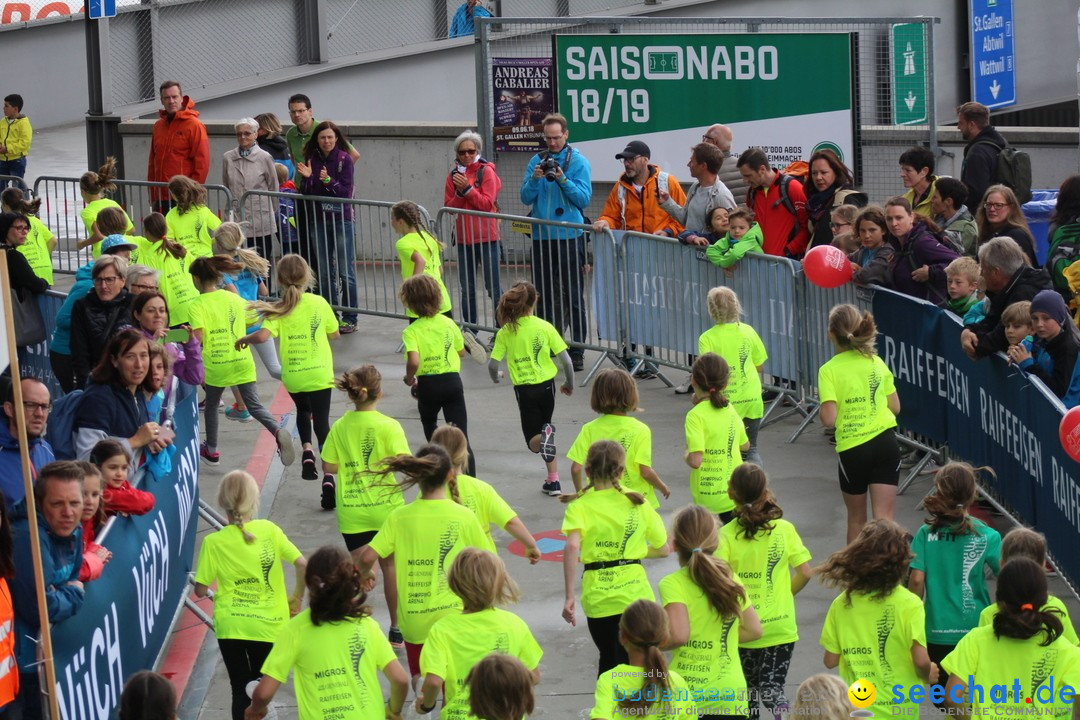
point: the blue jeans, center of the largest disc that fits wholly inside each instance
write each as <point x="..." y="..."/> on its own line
<point x="335" y="261"/>
<point x="487" y="254"/>
<point x="16" y="168"/>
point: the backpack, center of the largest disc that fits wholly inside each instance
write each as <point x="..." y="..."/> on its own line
<point x="661" y="186"/>
<point x="798" y="170"/>
<point x="480" y="179"/>
<point x="60" y="432"/>
<point x="1013" y="170"/>
<point x="1064" y="251"/>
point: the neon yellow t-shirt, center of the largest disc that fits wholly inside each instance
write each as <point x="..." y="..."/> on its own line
<point x="36" y="249"/>
<point x="251" y="602"/>
<point x="986" y="617"/>
<point x="874" y="639"/>
<point x="717" y="433"/>
<point x="1006" y="661"/>
<point x="626" y="680"/>
<point x="221" y="316"/>
<point x="175" y="281"/>
<point x="763" y="565"/>
<point x="194" y="229"/>
<point x="424" y="537"/>
<point x="437" y="340"/>
<point x="335" y="667"/>
<point x="528" y="349"/>
<point x="740" y="345"/>
<point x="482" y="499"/>
<point x="636" y="439"/>
<point x="860" y="386"/>
<point x="359" y="440"/>
<point x="428" y="247"/>
<point x="613" y="528"/>
<point x="457" y="642"/>
<point x="89" y="217"/>
<point x="307" y="363"/>
<point x="709" y="661"/>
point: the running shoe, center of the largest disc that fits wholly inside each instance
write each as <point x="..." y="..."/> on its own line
<point x="686" y="388"/>
<point x="308" y="471"/>
<point x="553" y="489"/>
<point x="547" y="442"/>
<point x="476" y="350"/>
<point x="645" y="372"/>
<point x="396" y="638"/>
<point x="578" y="362"/>
<point x="329" y="498"/>
<point x="347" y="328"/>
<point x="211" y="458"/>
<point x="235" y="413"/>
<point x="286" y="451"/>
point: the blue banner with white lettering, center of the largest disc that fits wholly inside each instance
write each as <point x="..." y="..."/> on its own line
<point x="125" y="620"/>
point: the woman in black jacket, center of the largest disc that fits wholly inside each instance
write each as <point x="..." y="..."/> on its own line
<point x="831" y="185"/>
<point x="13" y="231"/>
<point x="98" y="316"/>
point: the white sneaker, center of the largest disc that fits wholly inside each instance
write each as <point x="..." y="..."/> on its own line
<point x="476" y="350"/>
<point x="686" y="388"/>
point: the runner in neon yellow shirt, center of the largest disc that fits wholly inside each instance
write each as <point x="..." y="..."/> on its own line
<point x="191" y="223"/>
<point x="40" y="241"/>
<point x="93" y="186"/>
<point x="460" y="640"/>
<point x="610" y="530"/>
<point x="709" y="614"/>
<point x="424" y="537"/>
<point x="614" y="397"/>
<point x="715" y="436"/>
<point x="102" y="219"/>
<point x="250" y="604"/>
<point x="171" y="260"/>
<point x="418" y="250"/>
<point x="334" y="649"/>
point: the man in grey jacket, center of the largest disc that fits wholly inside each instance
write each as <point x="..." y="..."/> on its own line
<point x="706" y="192"/>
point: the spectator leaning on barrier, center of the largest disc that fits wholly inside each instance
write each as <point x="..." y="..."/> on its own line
<point x="58" y="494"/>
<point x="16" y="135"/>
<point x="1008" y="279"/>
<point x="984" y="145"/>
<point x="558" y="186"/>
<point x="918" y="268"/>
<point x="917" y="174"/>
<point x="952" y="216"/>
<point x="634" y="202"/>
<point x="248" y="167"/>
<point x="179" y="145"/>
<point x="721" y="137"/>
<point x="778" y="202"/>
<point x="832" y="185"/>
<point x="35" y="410"/>
<point x="99" y="314"/>
<point x="464" y="19"/>
<point x="705" y="193"/>
<point x="1054" y="349"/>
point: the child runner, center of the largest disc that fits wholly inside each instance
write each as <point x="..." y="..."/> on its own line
<point x="250" y="284"/>
<point x="148" y="696"/>
<point x="111" y="220"/>
<point x="358" y="442"/>
<point x="190" y="222"/>
<point x="763" y="549"/>
<point x="528" y="344"/>
<point x="305" y="324"/>
<point x="479" y="496"/>
<point x="951" y="549"/>
<point x="424" y="537"/>
<point x="94" y="186"/>
<point x="458" y="641"/>
<point x="500" y="688"/>
<point x="610" y="530"/>
<point x="171" y="261"/>
<point x="740" y="345"/>
<point x="642" y="685"/>
<point x="614" y="396"/>
<point x="218" y="320"/>
<point x="714" y="436"/>
<point x="40" y="241"/>
<point x="875" y="629"/>
<point x="1055" y="347"/>
<point x="743" y="236"/>
<point x="859" y="399"/>
<point x="250" y="605"/>
<point x="119" y="496"/>
<point x="418" y="250"/>
<point x="1024" y="648"/>
<point x="95" y="557"/>
<point x="334" y="648"/>
<point x="433" y="349"/>
<point x="709" y="614"/>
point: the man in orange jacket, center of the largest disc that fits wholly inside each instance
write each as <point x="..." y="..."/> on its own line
<point x="179" y="146"/>
<point x="634" y="202"/>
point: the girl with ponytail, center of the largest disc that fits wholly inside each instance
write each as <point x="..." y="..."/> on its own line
<point x="767" y="554"/>
<point x="709" y="614"/>
<point x="336" y="638"/>
<point x="643" y="686"/>
<point x="1024" y="646"/>
<point x="171" y="261"/>
<point x="858" y="398"/>
<point x="951" y="550"/>
<point x="715" y="436"/>
<point x="191" y="222"/>
<point x="610" y="530"/>
<point x="250" y="604"/>
<point x="94" y="186"/>
<point x="423" y="537"/>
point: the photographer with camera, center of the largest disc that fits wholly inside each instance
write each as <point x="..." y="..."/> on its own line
<point x="558" y="185"/>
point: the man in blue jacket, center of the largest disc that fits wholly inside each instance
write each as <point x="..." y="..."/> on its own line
<point x="464" y="21"/>
<point x="558" y="185"/>
<point x="58" y="494"/>
<point x="36" y="405"/>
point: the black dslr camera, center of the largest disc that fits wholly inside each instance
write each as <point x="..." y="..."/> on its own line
<point x="549" y="165"/>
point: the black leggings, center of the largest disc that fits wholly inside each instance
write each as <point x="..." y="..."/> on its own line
<point x="312" y="406"/>
<point x="443" y="392"/>
<point x="243" y="659"/>
<point x="605" y="635"/>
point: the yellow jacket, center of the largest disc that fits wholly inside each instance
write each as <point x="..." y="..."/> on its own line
<point x="16" y="136"/>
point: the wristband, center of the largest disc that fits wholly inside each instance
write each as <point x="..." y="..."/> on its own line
<point x="326" y="180"/>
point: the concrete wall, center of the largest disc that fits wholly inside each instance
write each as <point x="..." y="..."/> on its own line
<point x="46" y="65"/>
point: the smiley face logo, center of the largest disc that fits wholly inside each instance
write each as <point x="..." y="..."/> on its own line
<point x="862" y="693"/>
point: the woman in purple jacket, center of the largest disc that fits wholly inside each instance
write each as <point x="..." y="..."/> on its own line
<point x="327" y="171"/>
<point x="918" y="268"/>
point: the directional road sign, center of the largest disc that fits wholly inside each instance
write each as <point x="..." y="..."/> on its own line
<point x="908" y="74"/>
<point x="993" y="57"/>
<point x="101" y="9"/>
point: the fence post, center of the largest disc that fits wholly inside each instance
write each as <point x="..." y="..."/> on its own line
<point x="313" y="33"/>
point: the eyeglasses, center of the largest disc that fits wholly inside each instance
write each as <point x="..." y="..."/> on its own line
<point x="553" y="138"/>
<point x="24" y="228"/>
<point x="467" y="152"/>
<point x="36" y="407"/>
<point x="995" y="206"/>
<point x="139" y="287"/>
<point x="834" y="226"/>
<point x="106" y="280"/>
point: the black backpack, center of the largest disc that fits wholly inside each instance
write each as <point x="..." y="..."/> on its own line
<point x="1013" y="170"/>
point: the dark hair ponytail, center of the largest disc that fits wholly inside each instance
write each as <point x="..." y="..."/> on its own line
<point x="335" y="586"/>
<point x="1021" y="599"/>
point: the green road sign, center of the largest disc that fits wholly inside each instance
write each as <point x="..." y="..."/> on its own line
<point x="908" y="74"/>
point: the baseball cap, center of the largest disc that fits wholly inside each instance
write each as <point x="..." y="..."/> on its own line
<point x="635" y="148"/>
<point x="116" y="242"/>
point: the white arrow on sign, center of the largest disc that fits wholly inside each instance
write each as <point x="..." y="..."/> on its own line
<point x="995" y="88"/>
<point x="910" y="100"/>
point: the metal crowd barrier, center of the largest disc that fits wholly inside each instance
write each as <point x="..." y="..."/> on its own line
<point x="9" y="180"/>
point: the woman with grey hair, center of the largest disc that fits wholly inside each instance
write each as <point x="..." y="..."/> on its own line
<point x="473" y="185"/>
<point x="245" y="168"/>
<point x="99" y="315"/>
<point x="141" y="278"/>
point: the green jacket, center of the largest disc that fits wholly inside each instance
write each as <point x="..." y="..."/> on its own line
<point x="725" y="252"/>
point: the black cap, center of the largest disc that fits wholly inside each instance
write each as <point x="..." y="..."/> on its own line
<point x="635" y="148"/>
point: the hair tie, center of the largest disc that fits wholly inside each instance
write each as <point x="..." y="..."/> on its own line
<point x="712" y="390"/>
<point x="851" y="336"/>
<point x="959" y="506"/>
<point x="1026" y="606"/>
<point x="748" y="505"/>
<point x="696" y="550"/>
<point x="363" y="389"/>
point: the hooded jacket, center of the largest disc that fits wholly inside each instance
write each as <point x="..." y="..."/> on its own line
<point x="16" y="137"/>
<point x="11" y="479"/>
<point x="725" y="252"/>
<point x="84" y="283"/>
<point x="979" y="169"/>
<point x="918" y="249"/>
<point x="178" y="147"/>
<point x="1025" y="284"/>
<point x="93" y="323"/>
<point x="626" y="209"/>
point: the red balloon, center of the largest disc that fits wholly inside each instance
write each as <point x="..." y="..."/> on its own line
<point x="1069" y="433"/>
<point x="827" y="266"/>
